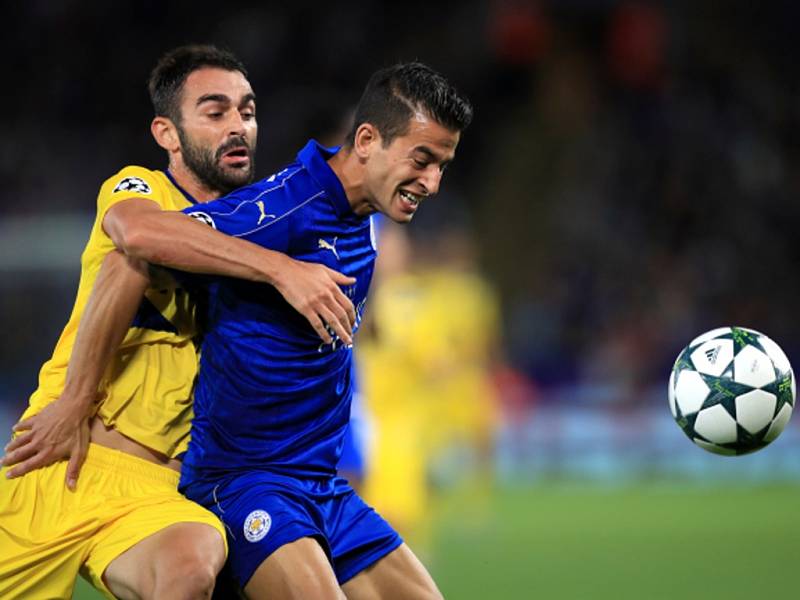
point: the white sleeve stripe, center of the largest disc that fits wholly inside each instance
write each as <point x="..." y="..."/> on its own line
<point x="283" y="181"/>
<point x="286" y="214"/>
<point x="255" y="199"/>
<point x="238" y="206"/>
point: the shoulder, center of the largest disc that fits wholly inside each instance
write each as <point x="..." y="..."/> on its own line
<point x="133" y="180"/>
<point x="284" y="191"/>
<point x="265" y="211"/>
<point x="290" y="182"/>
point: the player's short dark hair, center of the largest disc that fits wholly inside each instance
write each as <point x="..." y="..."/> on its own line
<point x="167" y="78"/>
<point x="394" y="94"/>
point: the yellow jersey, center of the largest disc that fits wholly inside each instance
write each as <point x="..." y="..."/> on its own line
<point x="147" y="388"/>
<point x="426" y="381"/>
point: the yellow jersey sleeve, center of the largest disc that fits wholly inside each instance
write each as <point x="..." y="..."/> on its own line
<point x="130" y="182"/>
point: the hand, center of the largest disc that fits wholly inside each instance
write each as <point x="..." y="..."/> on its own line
<point x="313" y="290"/>
<point x="57" y="432"/>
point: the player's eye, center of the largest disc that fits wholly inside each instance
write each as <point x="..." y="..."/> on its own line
<point x="419" y="163"/>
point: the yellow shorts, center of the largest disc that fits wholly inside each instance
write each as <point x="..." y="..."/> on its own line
<point x="49" y="534"/>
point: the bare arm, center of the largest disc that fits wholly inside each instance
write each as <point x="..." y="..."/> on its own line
<point x="142" y="230"/>
<point x="61" y="429"/>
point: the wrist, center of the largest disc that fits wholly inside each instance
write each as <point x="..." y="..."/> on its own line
<point x="79" y="399"/>
<point x="273" y="268"/>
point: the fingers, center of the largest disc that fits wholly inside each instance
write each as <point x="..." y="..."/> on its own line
<point x="318" y="326"/>
<point x="340" y="278"/>
<point x="24" y="424"/>
<point x="318" y="297"/>
<point x="337" y="311"/>
<point x="74" y="465"/>
<point x="24" y="458"/>
<point x="339" y="296"/>
<point x="338" y="323"/>
<point x="345" y="303"/>
<point x="17" y="442"/>
<point x="345" y="320"/>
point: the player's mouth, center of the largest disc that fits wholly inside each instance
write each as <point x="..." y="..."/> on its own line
<point x="409" y="202"/>
<point x="236" y="157"/>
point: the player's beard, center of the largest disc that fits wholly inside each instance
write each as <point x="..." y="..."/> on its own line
<point x="206" y="164"/>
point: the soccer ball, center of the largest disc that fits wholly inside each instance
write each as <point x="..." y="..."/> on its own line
<point x="732" y="391"/>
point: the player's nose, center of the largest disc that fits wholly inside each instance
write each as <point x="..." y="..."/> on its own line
<point x="236" y="124"/>
<point x="431" y="179"/>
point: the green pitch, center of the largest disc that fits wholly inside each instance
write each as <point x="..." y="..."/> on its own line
<point x="639" y="542"/>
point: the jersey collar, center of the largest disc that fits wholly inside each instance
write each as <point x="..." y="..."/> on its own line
<point x="186" y="194"/>
<point x="314" y="157"/>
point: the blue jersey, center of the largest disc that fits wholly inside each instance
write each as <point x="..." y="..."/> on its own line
<point x="270" y="395"/>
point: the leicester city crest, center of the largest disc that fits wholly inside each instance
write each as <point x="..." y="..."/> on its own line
<point x="257" y="525"/>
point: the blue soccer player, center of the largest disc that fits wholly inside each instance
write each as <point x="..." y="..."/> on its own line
<point x="272" y="402"/>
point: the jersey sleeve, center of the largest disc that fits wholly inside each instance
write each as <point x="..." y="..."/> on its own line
<point x="130" y="182"/>
<point x="259" y="215"/>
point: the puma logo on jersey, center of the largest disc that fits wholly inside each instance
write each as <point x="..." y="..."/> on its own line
<point x="263" y="214"/>
<point x="325" y="245"/>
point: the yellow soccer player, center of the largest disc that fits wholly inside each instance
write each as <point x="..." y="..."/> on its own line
<point x="122" y="523"/>
<point x="427" y="374"/>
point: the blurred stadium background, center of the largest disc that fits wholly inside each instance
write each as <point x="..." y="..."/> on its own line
<point x="630" y="181"/>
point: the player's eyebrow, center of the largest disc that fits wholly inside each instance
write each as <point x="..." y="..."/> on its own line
<point x="425" y="150"/>
<point x="433" y="156"/>
<point x="213" y="98"/>
<point x="222" y="98"/>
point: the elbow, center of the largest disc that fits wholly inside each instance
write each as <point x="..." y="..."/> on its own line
<point x="134" y="241"/>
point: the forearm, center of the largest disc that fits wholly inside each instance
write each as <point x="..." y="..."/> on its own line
<point x="175" y="240"/>
<point x="116" y="296"/>
<point x="141" y="230"/>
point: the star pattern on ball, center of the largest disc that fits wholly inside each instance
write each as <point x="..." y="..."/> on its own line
<point x="732" y="390"/>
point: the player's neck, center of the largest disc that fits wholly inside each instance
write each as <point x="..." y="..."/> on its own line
<point x="350" y="171"/>
<point x="185" y="178"/>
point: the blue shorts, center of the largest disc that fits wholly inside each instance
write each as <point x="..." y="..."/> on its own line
<point x="264" y="511"/>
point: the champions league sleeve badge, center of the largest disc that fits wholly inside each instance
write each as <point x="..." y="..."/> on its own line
<point x="203" y="218"/>
<point x="134" y="185"/>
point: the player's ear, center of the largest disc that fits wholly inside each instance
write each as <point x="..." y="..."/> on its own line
<point x="165" y="134"/>
<point x="366" y="137"/>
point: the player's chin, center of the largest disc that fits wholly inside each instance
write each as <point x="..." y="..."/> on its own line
<point x="400" y="212"/>
<point x="401" y="217"/>
<point x="239" y="175"/>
